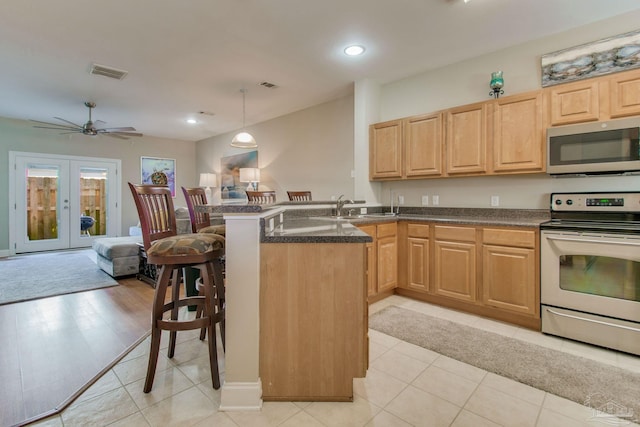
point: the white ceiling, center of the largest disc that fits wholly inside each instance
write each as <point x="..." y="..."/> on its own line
<point x="189" y="56"/>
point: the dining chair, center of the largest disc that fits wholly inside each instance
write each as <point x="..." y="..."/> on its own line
<point x="171" y="252"/>
<point x="261" y="197"/>
<point x="299" y="196"/>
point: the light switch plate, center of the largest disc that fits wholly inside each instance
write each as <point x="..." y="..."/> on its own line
<point x="401" y="200"/>
<point x="425" y="200"/>
<point x="435" y="200"/>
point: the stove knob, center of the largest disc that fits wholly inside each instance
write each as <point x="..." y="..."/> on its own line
<point x="569" y="202"/>
<point x="558" y="202"/>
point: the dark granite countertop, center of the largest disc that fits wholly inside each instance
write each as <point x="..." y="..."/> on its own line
<point x="314" y="230"/>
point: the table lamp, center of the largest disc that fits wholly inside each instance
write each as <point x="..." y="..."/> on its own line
<point x="252" y="176"/>
<point x="208" y="180"/>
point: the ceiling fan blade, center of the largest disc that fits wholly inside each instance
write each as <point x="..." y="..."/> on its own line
<point x="59" y="128"/>
<point x="115" y="135"/>
<point x="99" y="123"/>
<point x="56" y="124"/>
<point x="124" y="129"/>
<point x="124" y="133"/>
<point x="67" y="121"/>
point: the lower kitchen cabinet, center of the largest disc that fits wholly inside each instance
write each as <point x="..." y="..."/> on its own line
<point x="489" y="271"/>
<point x="382" y="253"/>
<point x="455" y="262"/>
<point x="509" y="273"/>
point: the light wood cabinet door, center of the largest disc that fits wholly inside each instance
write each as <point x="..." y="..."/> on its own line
<point x="423" y="145"/>
<point x="519" y="133"/>
<point x="509" y="279"/>
<point x="387" y="252"/>
<point x="371" y="270"/>
<point x="455" y="263"/>
<point x="466" y="140"/>
<point x="418" y="264"/>
<point x="385" y="150"/>
<point x="575" y="102"/>
<point x="624" y="89"/>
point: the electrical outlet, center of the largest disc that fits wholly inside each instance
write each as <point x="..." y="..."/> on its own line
<point x="401" y="200"/>
<point x="333" y="198"/>
<point x="425" y="200"/>
<point x="435" y="200"/>
<point x="363" y="211"/>
<point x="495" y="201"/>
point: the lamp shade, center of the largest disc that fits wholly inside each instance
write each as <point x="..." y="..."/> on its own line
<point x="208" y="180"/>
<point x="244" y="140"/>
<point x="249" y="175"/>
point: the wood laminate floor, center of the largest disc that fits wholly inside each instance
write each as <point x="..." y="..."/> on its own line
<point x="52" y="348"/>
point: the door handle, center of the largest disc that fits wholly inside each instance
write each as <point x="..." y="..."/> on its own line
<point x="611" y="242"/>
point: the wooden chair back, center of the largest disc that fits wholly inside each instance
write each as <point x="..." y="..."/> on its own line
<point x="299" y="196"/>
<point x="156" y="212"/>
<point x="261" y="197"/>
<point x="196" y="197"/>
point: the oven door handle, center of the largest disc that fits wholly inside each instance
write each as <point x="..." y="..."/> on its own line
<point x="600" y="322"/>
<point x="583" y="240"/>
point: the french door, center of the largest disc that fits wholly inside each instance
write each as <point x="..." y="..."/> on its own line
<point x="62" y="202"/>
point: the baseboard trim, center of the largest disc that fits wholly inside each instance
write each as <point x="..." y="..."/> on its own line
<point x="241" y="396"/>
<point x="4" y="253"/>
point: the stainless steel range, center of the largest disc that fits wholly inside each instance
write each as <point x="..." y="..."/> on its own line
<point x="590" y="269"/>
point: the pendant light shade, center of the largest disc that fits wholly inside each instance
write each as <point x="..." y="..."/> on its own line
<point x="243" y="139"/>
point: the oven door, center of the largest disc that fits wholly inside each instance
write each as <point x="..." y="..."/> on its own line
<point x="591" y="272"/>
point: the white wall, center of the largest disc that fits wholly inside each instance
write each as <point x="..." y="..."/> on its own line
<point x="311" y="149"/>
<point x="467" y="82"/>
<point x="19" y="135"/>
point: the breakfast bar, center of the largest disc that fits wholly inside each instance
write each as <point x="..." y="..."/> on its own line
<point x="296" y="307"/>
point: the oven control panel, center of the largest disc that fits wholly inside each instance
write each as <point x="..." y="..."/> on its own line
<point x="596" y="202"/>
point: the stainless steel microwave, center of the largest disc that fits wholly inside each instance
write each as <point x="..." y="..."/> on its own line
<point x="609" y="147"/>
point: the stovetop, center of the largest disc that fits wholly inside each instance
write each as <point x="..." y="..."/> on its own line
<point x="615" y="212"/>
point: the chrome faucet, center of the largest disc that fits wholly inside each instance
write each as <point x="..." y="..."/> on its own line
<point x="340" y="204"/>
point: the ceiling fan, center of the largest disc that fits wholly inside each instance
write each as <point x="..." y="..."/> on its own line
<point x="89" y="128"/>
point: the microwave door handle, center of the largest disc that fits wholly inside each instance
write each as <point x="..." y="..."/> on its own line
<point x="583" y="240"/>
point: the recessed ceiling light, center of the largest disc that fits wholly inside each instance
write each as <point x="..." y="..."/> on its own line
<point x="192" y="121"/>
<point x="354" y="50"/>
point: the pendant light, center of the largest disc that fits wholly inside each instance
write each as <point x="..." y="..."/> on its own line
<point x="243" y="139"/>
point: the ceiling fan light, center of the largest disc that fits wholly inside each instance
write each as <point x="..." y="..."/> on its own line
<point x="244" y="140"/>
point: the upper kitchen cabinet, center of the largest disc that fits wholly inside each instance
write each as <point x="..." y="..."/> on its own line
<point x="423" y="145"/>
<point x="624" y="91"/>
<point x="600" y="98"/>
<point x="575" y="102"/>
<point x="466" y="140"/>
<point x="519" y="133"/>
<point x="385" y="150"/>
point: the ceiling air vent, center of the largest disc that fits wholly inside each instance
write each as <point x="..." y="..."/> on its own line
<point x="268" y="85"/>
<point x="113" y="73"/>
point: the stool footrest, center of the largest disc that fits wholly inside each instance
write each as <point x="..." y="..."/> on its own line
<point x="183" y="325"/>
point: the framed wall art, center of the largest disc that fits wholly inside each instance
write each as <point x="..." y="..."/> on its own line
<point x="230" y="186"/>
<point x="158" y="171"/>
<point x="611" y="55"/>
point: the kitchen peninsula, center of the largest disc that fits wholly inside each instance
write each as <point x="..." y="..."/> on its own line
<point x="296" y="307"/>
<point x="483" y="261"/>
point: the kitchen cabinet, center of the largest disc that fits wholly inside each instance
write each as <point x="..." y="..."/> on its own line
<point x="382" y="271"/>
<point x="466" y="139"/>
<point x="509" y="274"/>
<point x="313" y="320"/>
<point x="414" y="256"/>
<point x="486" y="270"/>
<point x="624" y="91"/>
<point x="385" y="150"/>
<point x="519" y="133"/>
<point x="575" y="102"/>
<point x="455" y="263"/>
<point x="423" y="146"/>
<point x="600" y="98"/>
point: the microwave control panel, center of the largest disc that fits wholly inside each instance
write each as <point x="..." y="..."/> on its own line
<point x="595" y="202"/>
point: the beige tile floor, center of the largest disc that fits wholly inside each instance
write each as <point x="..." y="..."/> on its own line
<point x="405" y="385"/>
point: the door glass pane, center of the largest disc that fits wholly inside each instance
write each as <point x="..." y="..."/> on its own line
<point x="42" y="212"/>
<point x="601" y="275"/>
<point x="93" y="201"/>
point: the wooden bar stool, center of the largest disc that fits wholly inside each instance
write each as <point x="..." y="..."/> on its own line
<point x="171" y="253"/>
<point x="261" y="197"/>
